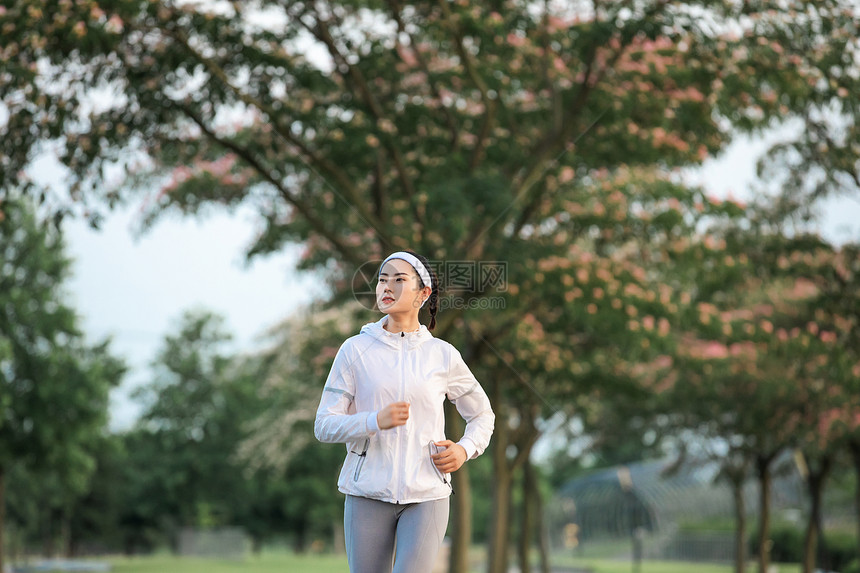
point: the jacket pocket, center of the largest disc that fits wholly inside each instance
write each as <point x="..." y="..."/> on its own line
<point x="440" y="477"/>
<point x="362" y="456"/>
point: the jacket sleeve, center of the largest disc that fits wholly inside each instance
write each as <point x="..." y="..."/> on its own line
<point x="473" y="405"/>
<point x="336" y="420"/>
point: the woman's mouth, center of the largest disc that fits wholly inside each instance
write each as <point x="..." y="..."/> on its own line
<point x="387" y="300"/>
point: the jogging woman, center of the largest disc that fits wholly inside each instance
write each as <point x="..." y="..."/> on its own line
<point x="384" y="399"/>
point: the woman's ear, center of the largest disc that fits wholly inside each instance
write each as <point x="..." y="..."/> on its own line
<point x="424" y="295"/>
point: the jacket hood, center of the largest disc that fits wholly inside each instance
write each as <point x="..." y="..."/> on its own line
<point x="393" y="339"/>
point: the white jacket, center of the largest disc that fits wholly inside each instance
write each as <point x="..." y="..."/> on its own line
<point x="374" y="369"/>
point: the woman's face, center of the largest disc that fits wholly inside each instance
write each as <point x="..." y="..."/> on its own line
<point x="399" y="288"/>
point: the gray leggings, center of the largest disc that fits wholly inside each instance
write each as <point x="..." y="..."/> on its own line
<point x="380" y="535"/>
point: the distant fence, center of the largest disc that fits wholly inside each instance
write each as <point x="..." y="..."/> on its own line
<point x="717" y="546"/>
<point x="222" y="543"/>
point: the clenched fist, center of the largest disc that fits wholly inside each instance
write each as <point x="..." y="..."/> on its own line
<point x="451" y="459"/>
<point x="393" y="415"/>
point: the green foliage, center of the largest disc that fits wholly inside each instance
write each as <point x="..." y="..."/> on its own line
<point x="363" y="129"/>
<point x="181" y="468"/>
<point x="279" y="442"/>
<point x="787" y="543"/>
<point x="838" y="548"/>
<point x="202" y="453"/>
<point x="53" y="386"/>
<point x="545" y="137"/>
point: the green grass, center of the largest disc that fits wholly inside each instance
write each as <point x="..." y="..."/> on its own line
<point x="277" y="562"/>
<point x="266" y="563"/>
<point x="614" y="566"/>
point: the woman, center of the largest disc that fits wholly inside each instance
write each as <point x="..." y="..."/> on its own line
<point x="384" y="398"/>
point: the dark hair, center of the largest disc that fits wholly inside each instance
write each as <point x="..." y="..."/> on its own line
<point x="433" y="302"/>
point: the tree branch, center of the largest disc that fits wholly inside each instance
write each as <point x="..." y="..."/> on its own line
<point x="490" y="103"/>
<point x="434" y="88"/>
<point x="551" y="145"/>
<point x="305" y="210"/>
<point x="322" y="33"/>
<point x="311" y="158"/>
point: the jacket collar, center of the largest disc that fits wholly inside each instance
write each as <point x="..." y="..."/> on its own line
<point x="394" y="339"/>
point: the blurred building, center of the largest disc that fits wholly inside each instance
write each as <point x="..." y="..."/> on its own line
<point x="676" y="513"/>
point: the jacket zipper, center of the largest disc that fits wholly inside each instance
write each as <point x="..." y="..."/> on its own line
<point x="399" y="465"/>
<point x="361" y="459"/>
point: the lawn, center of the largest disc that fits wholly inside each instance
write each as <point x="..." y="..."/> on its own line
<point x="291" y="563"/>
<point x="266" y="563"/>
<point x="614" y="566"/>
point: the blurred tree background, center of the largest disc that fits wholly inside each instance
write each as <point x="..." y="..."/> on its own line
<point x="551" y="137"/>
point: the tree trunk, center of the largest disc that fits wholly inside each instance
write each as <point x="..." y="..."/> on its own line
<point x="338" y="539"/>
<point x="48" y="534"/>
<point x="497" y="557"/>
<point x="66" y="544"/>
<point x="854" y="446"/>
<point x="497" y="560"/>
<point x="540" y="525"/>
<point x="461" y="503"/>
<point x="740" y="523"/>
<point x="543" y="540"/>
<point x="2" y="515"/>
<point x="764" y="478"/>
<point x="528" y="519"/>
<point x="815" y="486"/>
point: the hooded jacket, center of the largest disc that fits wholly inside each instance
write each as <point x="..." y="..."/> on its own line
<point x="375" y="368"/>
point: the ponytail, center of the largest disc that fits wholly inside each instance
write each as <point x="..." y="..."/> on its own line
<point x="433" y="302"/>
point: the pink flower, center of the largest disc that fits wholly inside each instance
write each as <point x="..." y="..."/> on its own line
<point x="114" y="24"/>
<point x="407" y="55"/>
<point x="828" y="337"/>
<point x="715" y="350"/>
<point x="516" y="40"/>
<point x="566" y="174"/>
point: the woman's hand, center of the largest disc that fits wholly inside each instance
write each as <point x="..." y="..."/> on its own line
<point x="451" y="459"/>
<point x="393" y="415"/>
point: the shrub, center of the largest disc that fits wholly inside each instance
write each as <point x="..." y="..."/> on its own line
<point x="787" y="542"/>
<point x="839" y="547"/>
<point x="840" y="550"/>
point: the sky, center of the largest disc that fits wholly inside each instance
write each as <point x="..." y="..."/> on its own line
<point x="135" y="288"/>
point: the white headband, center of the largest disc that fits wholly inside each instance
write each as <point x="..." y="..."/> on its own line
<point x="416" y="264"/>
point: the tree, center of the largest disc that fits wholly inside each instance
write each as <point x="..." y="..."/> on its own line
<point x="763" y="370"/>
<point x="832" y="425"/>
<point x="195" y="412"/>
<point x="280" y="440"/>
<point x="53" y="386"/>
<point x="466" y="130"/>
